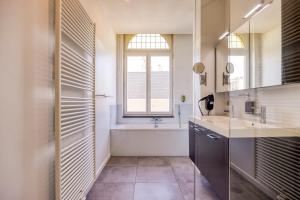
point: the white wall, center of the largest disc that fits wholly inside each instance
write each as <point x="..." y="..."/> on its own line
<point x="271" y="57"/>
<point x="27" y="96"/>
<point x="183" y="66"/>
<point x="182" y="80"/>
<point x="196" y="54"/>
<point x="105" y="79"/>
<point x="26" y="100"/>
<point x="213" y="24"/>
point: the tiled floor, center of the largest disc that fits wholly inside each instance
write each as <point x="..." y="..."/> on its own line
<point x="150" y="178"/>
<point x="243" y="189"/>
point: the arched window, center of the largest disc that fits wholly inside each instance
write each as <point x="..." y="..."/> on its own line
<point x="148" y="75"/>
<point x="148" y="41"/>
<point x="235" y="42"/>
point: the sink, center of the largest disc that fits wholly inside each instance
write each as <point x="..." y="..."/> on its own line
<point x="240" y="128"/>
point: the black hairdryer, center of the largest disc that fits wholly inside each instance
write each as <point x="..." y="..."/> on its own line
<point x="209" y="103"/>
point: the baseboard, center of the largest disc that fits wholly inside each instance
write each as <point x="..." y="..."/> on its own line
<point x="99" y="171"/>
<point x="102" y="166"/>
<point x="252" y="180"/>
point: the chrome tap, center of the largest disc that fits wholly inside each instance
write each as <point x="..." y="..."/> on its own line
<point x="263" y="114"/>
<point x="156" y="120"/>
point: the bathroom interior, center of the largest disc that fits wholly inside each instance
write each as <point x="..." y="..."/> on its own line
<point x="150" y="100"/>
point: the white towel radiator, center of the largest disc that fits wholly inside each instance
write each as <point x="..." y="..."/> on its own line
<point x="75" y="101"/>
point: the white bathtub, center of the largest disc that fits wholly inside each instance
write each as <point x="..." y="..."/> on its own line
<point x="145" y="140"/>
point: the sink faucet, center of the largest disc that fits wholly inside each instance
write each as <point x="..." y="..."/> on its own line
<point x="156" y="120"/>
<point x="262" y="115"/>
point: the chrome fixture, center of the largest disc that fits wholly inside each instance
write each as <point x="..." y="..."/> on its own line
<point x="156" y="120"/>
<point x="262" y="114"/>
<point x="103" y="95"/>
<point x="199" y="68"/>
<point x="229" y="70"/>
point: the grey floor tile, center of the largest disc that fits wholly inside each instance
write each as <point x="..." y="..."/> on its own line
<point x="157" y="191"/>
<point x="184" y="174"/>
<point x="153" y="161"/>
<point x="112" y="191"/>
<point x="155" y="174"/>
<point x="240" y="188"/>
<point x="180" y="161"/>
<point x="122" y="161"/>
<point x="203" y="190"/>
<point x="117" y="174"/>
<point x="187" y="190"/>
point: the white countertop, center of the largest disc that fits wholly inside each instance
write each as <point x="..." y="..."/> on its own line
<point x="240" y="128"/>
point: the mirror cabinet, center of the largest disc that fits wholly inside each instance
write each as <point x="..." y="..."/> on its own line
<point x="263" y="51"/>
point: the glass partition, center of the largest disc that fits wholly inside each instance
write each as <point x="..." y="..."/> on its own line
<point x="264" y="137"/>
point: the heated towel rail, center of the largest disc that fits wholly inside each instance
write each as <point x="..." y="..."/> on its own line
<point x="75" y="101"/>
<point x="278" y="166"/>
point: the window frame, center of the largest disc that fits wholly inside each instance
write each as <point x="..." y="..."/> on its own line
<point x="148" y="53"/>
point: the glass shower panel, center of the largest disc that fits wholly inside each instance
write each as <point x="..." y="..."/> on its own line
<point x="209" y="146"/>
<point x="264" y="123"/>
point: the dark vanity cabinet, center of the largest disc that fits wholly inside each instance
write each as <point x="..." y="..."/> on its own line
<point x="211" y="152"/>
<point x="191" y="142"/>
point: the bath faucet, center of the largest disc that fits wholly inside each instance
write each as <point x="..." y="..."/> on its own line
<point x="156" y="120"/>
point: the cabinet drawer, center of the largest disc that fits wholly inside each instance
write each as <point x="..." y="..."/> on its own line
<point x="213" y="161"/>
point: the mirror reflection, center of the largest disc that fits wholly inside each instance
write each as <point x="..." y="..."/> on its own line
<point x="265" y="43"/>
<point x="238" y="44"/>
<point x="222" y="53"/>
<point x="254" y="52"/>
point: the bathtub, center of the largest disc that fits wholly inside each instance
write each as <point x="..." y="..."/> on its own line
<point x="146" y="140"/>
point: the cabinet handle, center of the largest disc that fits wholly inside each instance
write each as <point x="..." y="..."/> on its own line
<point x="214" y="137"/>
<point x="200" y="129"/>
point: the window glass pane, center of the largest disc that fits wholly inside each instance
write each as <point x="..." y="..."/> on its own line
<point x="160" y="84"/>
<point x="136" y="84"/>
<point x="148" y="41"/>
<point x="238" y="77"/>
<point x="235" y="42"/>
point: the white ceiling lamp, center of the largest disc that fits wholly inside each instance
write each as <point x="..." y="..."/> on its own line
<point x="253" y="10"/>
<point x="264" y="7"/>
<point x="226" y="33"/>
<point x="258" y="8"/>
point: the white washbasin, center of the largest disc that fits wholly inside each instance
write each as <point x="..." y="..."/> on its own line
<point x="240" y="128"/>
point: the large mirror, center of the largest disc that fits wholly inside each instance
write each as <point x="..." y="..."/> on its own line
<point x="232" y="61"/>
<point x="238" y="44"/>
<point x="265" y="42"/>
<point x="253" y="52"/>
<point x="222" y="77"/>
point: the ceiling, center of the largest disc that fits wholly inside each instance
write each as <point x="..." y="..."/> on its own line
<point x="264" y="21"/>
<point x="150" y="16"/>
